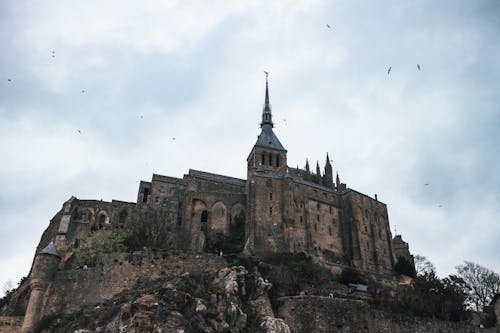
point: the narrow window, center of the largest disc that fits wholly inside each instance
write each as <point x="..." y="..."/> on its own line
<point x="315" y="227"/>
<point x="301" y="219"/>
<point x="330" y="230"/>
<point x="157" y="199"/>
<point x="270" y="159"/>
<point x="203" y="220"/>
<point x="278" y="160"/>
<point x="317" y="218"/>
<point x="204" y="216"/>
<point x="145" y="195"/>
<point x="271" y="211"/>
<point x="263" y="161"/>
<point x="271" y="196"/>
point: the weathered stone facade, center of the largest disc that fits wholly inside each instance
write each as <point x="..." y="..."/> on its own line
<point x="284" y="210"/>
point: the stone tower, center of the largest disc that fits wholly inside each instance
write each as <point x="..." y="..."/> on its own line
<point x="267" y="166"/>
<point x="42" y="273"/>
<point x="268" y="154"/>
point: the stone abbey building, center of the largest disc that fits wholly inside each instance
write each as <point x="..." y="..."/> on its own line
<point x="284" y="210"/>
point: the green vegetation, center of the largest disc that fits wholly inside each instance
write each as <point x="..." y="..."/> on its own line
<point x="234" y="242"/>
<point x="98" y="244"/>
<point x="404" y="266"/>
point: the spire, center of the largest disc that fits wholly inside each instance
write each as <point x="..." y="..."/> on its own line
<point x="266" y="111"/>
<point x="337" y="181"/>
<point x="318" y="171"/>
<point x="307" y="166"/>
<point x="327" y="159"/>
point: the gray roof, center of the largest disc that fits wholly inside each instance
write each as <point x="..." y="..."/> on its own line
<point x="50" y="249"/>
<point x="268" y="139"/>
<point x="216" y="177"/>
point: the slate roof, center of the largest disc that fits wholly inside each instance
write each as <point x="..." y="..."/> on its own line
<point x="268" y="139"/>
<point x="216" y="177"/>
<point x="50" y="249"/>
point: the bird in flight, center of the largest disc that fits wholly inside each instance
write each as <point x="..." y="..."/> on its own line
<point x="328" y="26"/>
<point x="83" y="91"/>
<point x="426" y="184"/>
<point x="440" y="206"/>
<point x="79" y="131"/>
<point x="141" y="116"/>
<point x="389" y="70"/>
<point x="10" y="80"/>
<point x="53" y="54"/>
<point x="173" y="139"/>
<point x="418" y="66"/>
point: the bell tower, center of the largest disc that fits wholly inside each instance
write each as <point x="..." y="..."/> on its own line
<point x="268" y="154"/>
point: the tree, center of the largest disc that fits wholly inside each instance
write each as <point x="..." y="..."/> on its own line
<point x="481" y="284"/>
<point x="423" y="266"/>
<point x="150" y="228"/>
<point x="404" y="266"/>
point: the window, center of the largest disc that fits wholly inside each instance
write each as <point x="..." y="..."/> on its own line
<point x="263" y="161"/>
<point x="269" y="183"/>
<point x="271" y="211"/>
<point x="204" y="216"/>
<point x="278" y="161"/>
<point x="203" y="220"/>
<point x="315" y="227"/>
<point x="157" y="199"/>
<point x="301" y="220"/>
<point x="330" y="209"/>
<point x="145" y="195"/>
<point x="317" y="217"/>
<point x="271" y="196"/>
<point x="270" y="159"/>
<point x="334" y="221"/>
<point x="330" y="230"/>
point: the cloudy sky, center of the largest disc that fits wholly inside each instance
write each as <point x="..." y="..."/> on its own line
<point x="92" y="94"/>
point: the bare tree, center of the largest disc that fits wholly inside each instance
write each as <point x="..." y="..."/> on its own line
<point x="481" y="284"/>
<point x="6" y="287"/>
<point x="423" y="266"/>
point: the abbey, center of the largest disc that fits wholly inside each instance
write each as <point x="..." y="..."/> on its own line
<point x="277" y="209"/>
<point x="280" y="209"/>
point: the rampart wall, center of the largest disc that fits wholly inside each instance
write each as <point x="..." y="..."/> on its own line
<point x="323" y="314"/>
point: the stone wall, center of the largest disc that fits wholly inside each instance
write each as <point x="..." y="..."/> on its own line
<point x="323" y="314"/>
<point x="10" y="324"/>
<point x="73" y="289"/>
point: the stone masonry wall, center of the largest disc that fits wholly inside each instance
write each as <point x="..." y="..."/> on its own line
<point x="323" y="314"/>
<point x="73" y="289"/>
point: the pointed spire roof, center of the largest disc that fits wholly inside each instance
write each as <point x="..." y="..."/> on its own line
<point x="327" y="159"/>
<point x="267" y="117"/>
<point x="307" y="166"/>
<point x="267" y="138"/>
<point x="318" y="171"/>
